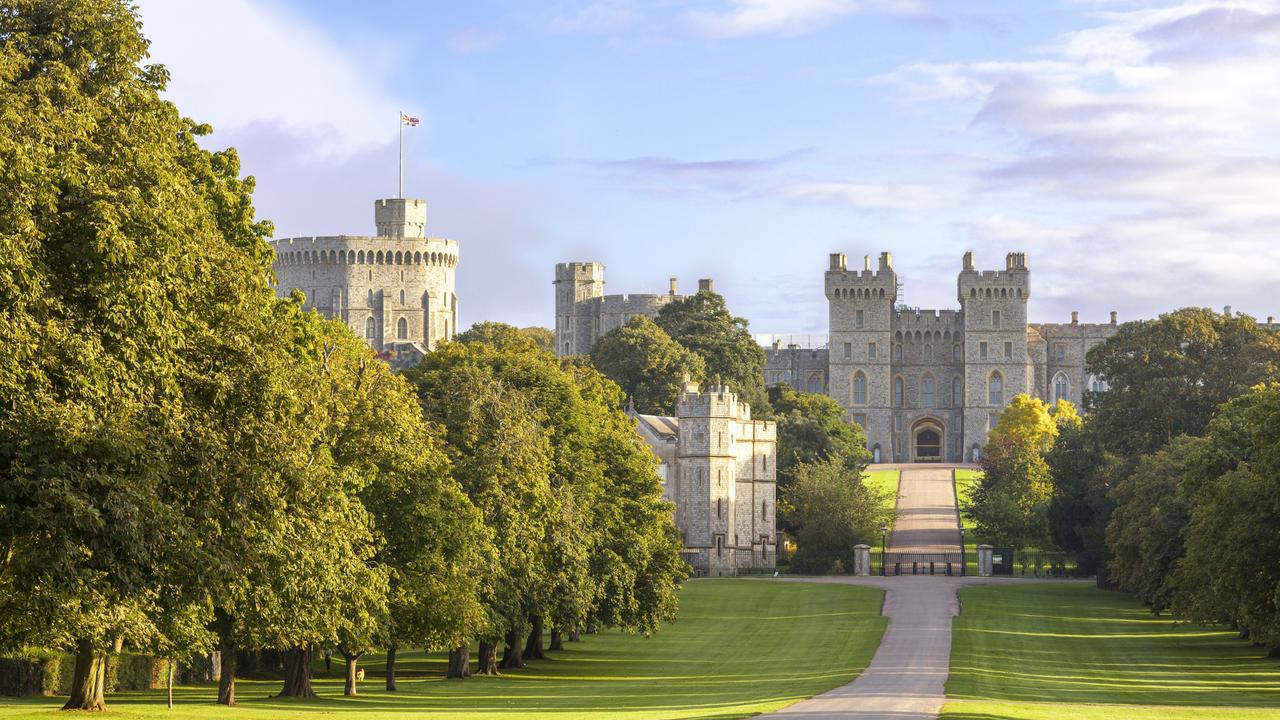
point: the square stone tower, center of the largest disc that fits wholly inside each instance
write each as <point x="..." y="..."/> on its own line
<point x="575" y="282"/>
<point x="997" y="365"/>
<point x="860" y="307"/>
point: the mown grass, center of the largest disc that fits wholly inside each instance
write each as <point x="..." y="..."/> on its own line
<point x="739" y="647"/>
<point x="886" y="481"/>
<point x="1068" y="650"/>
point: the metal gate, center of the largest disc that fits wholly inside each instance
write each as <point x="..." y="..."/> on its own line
<point x="924" y="564"/>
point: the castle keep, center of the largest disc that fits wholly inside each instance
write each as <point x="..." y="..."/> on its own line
<point x="718" y="466"/>
<point x="396" y="289"/>
<point x="927" y="385"/>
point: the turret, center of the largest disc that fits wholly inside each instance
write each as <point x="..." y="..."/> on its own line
<point x="400" y="217"/>
<point x="575" y="282"/>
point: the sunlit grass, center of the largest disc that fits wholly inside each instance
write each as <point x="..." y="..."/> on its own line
<point x="740" y="647"/>
<point x="969" y="710"/>
<point x="885" y="481"/>
<point x="1069" y="644"/>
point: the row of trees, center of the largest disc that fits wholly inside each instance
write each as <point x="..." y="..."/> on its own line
<point x="1169" y="487"/>
<point x="190" y="463"/>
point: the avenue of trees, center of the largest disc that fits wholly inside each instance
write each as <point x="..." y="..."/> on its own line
<point x="1169" y="486"/>
<point x="188" y="463"/>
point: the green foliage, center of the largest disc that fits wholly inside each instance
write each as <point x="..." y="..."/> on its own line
<point x="1082" y="474"/>
<point x="812" y="428"/>
<point x="1229" y="572"/>
<point x="502" y="335"/>
<point x="1167" y="376"/>
<point x="1011" y="503"/>
<point x="832" y="511"/>
<point x="702" y="324"/>
<point x="544" y="338"/>
<point x="647" y="364"/>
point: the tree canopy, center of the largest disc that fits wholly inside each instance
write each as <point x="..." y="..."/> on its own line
<point x="647" y="364"/>
<point x="702" y="324"/>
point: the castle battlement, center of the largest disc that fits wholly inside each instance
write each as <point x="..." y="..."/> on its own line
<point x="916" y="317"/>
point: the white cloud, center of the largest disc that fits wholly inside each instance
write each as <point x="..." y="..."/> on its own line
<point x="1157" y="131"/>
<point x="739" y="18"/>
<point x="237" y="63"/>
<point x="862" y="195"/>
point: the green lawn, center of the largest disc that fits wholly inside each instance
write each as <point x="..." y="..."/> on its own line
<point x="885" y="480"/>
<point x="740" y="647"/>
<point x="1068" y="650"/>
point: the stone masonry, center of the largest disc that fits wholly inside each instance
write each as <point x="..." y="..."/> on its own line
<point x="718" y="466"/>
<point x="395" y="289"/>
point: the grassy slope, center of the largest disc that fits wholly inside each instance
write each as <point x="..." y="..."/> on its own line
<point x="884" y="480"/>
<point x="740" y="647"/>
<point x="1045" y="651"/>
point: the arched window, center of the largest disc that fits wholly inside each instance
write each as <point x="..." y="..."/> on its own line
<point x="928" y="353"/>
<point x="1061" y="388"/>
<point x="1097" y="384"/>
<point x="995" y="389"/>
<point x="402" y="297"/>
<point x="955" y="352"/>
<point x="370" y="329"/>
<point x="926" y="391"/>
<point x="815" y="383"/>
<point x="898" y="392"/>
<point x="957" y="392"/>
<point x="402" y="329"/>
<point x="897" y="352"/>
<point x="859" y="388"/>
<point x="370" y="297"/>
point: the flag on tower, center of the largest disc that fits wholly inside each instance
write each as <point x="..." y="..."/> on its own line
<point x="407" y="120"/>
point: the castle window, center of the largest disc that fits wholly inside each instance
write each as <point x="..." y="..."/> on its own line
<point x="1059" y="352"/>
<point x="928" y="353"/>
<point x="402" y="297"/>
<point x="995" y="389"/>
<point x="897" y="353"/>
<point x="926" y="392"/>
<point x="973" y="292"/>
<point x="955" y="352"/>
<point x="871" y="351"/>
<point x="815" y="383"/>
<point x="982" y="350"/>
<point x="719" y="508"/>
<point x="897" y="423"/>
<point x="957" y="392"/>
<point x="995" y="319"/>
<point x="370" y="329"/>
<point x="992" y="420"/>
<point x="857" y="318"/>
<point x="1008" y="351"/>
<point x="859" y="388"/>
<point x="848" y="351"/>
<point x="371" y="297"/>
<point x="402" y="329"/>
<point x="898" y="392"/>
<point x="1060" y="388"/>
<point x="1097" y="384"/>
<point x="764" y="509"/>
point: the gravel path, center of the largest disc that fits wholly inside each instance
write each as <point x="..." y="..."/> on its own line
<point x="905" y="679"/>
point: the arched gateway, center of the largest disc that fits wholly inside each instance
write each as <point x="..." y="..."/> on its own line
<point x="927" y="436"/>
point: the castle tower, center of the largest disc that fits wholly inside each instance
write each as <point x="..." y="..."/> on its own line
<point x="575" y="282"/>
<point x="997" y="366"/>
<point x="400" y="217"/>
<point x="707" y="422"/>
<point x="860" y="311"/>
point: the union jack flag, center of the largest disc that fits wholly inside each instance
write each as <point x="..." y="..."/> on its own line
<point x="408" y="120"/>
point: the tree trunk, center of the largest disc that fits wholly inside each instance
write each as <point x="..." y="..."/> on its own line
<point x="459" y="663"/>
<point x="574" y="635"/>
<point x="170" y="683"/>
<point x="227" y="666"/>
<point x="557" y="641"/>
<point x="488" y="661"/>
<point x="350" y="687"/>
<point x="391" y="669"/>
<point x="511" y="655"/>
<point x="89" y="680"/>
<point x="533" y="646"/>
<point x="297" y="674"/>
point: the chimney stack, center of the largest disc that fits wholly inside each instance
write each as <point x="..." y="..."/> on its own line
<point x="1075" y="317"/>
<point x="866" y="263"/>
<point x="1227" y="311"/>
<point x="968" y="260"/>
<point x="1113" y="317"/>
<point x="673" y="286"/>
<point x="838" y="261"/>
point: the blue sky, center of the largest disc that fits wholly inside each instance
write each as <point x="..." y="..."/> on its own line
<point x="1131" y="149"/>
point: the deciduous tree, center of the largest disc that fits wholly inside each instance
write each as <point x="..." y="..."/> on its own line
<point x="647" y="364"/>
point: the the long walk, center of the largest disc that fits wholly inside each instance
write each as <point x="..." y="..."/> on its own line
<point x="906" y="678"/>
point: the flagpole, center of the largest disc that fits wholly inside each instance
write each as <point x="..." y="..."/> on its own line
<point x="401" y="123"/>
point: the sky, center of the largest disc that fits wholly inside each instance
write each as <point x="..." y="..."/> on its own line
<point x="1131" y="149"/>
